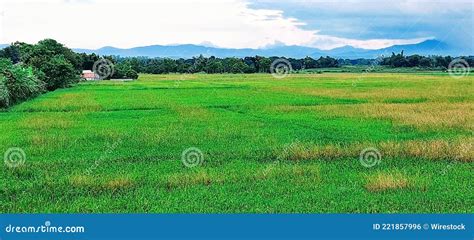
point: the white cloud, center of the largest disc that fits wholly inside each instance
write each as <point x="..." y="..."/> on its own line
<point x="329" y="42"/>
<point x="120" y="23"/>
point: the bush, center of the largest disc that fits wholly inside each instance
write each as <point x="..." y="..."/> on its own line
<point x="124" y="70"/>
<point x="17" y="83"/>
<point x="4" y="95"/>
<point x="58" y="73"/>
<point x="54" y="64"/>
<point x="45" y="50"/>
<point x="46" y="65"/>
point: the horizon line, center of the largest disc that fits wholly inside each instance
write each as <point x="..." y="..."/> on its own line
<point x="217" y="47"/>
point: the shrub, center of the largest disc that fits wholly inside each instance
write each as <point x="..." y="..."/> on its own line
<point x="55" y="64"/>
<point x="46" y="65"/>
<point x="57" y="72"/>
<point x="17" y="83"/>
<point x="124" y="70"/>
<point x="4" y="96"/>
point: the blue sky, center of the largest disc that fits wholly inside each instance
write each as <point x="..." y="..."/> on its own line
<point x="237" y="23"/>
<point x="449" y="21"/>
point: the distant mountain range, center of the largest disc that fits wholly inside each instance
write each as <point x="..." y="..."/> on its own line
<point x="428" y="47"/>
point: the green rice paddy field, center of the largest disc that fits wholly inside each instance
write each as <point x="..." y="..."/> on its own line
<point x="291" y="145"/>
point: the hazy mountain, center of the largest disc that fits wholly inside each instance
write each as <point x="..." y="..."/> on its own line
<point x="190" y="50"/>
<point x="429" y="47"/>
<point x="351" y="52"/>
<point x="426" y="48"/>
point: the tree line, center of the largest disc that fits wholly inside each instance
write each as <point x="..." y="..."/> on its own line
<point x="27" y="70"/>
<point x="260" y="64"/>
<point x="400" y="60"/>
<point x="201" y="64"/>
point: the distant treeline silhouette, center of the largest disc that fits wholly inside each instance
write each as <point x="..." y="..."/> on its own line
<point x="400" y="60"/>
<point x="259" y="64"/>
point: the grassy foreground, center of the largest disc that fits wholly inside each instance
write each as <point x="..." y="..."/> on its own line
<point x="269" y="145"/>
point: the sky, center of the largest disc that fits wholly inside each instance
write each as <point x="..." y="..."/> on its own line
<point x="321" y="24"/>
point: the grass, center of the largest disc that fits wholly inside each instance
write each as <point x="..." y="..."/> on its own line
<point x="374" y="68"/>
<point x="386" y="181"/>
<point x="268" y="145"/>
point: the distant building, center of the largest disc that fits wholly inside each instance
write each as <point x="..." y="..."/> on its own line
<point x="90" y="75"/>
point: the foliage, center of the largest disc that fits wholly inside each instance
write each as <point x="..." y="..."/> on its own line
<point x="400" y="60"/>
<point x="58" y="73"/>
<point x="17" y="83"/>
<point x="4" y="94"/>
<point x="124" y="70"/>
<point x="59" y="66"/>
<point x="88" y="60"/>
<point x="257" y="64"/>
<point x="47" y="64"/>
<point x="11" y="52"/>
